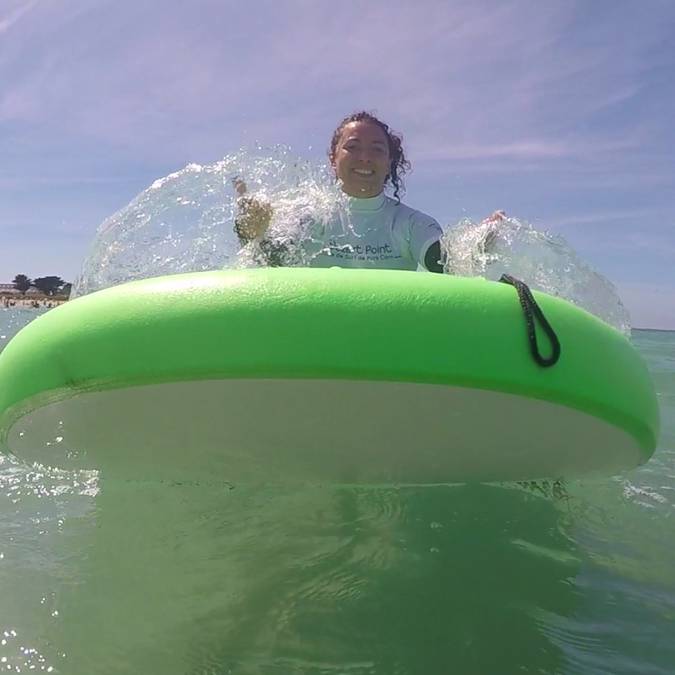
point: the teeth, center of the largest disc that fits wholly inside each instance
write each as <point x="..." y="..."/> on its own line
<point x="363" y="172"/>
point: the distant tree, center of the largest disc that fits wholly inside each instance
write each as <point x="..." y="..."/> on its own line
<point x="67" y="288"/>
<point x="22" y="283"/>
<point x="49" y="285"/>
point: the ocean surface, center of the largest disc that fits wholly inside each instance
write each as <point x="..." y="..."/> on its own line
<point x="185" y="578"/>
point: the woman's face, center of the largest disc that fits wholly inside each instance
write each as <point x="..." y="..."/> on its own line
<point x="362" y="159"/>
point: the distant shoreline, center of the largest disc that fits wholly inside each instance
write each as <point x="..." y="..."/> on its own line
<point x="32" y="301"/>
<point x="655" y="330"/>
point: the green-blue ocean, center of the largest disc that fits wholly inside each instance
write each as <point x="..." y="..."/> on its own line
<point x="188" y="578"/>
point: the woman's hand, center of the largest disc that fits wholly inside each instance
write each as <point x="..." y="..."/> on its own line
<point x="493" y="221"/>
<point x="253" y="217"/>
<point x="495" y="217"/>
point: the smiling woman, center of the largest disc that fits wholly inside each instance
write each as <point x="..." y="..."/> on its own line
<point x="366" y="156"/>
<point x="375" y="230"/>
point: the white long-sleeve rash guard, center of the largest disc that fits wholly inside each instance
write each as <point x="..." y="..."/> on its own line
<point x="375" y="232"/>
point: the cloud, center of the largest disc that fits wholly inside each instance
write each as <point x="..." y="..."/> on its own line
<point x="480" y="80"/>
<point x="12" y="16"/>
<point x="602" y="217"/>
<point x="650" y="305"/>
<point x="57" y="181"/>
<point x="658" y="245"/>
<point x="637" y="234"/>
<point x="528" y="149"/>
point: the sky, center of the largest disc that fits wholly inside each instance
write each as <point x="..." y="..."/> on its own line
<point x="560" y="112"/>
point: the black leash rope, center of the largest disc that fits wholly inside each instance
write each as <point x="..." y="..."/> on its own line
<point x="532" y="311"/>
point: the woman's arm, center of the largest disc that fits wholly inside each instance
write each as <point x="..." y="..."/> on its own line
<point x="432" y="258"/>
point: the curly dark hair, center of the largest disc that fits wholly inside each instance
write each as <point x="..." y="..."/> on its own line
<point x="399" y="164"/>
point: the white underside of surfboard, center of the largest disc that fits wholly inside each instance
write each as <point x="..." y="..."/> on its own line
<point x="319" y="431"/>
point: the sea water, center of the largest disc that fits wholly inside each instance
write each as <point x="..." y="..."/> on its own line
<point x="104" y="577"/>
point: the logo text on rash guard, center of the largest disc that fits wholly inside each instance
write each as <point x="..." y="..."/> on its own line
<point x="362" y="252"/>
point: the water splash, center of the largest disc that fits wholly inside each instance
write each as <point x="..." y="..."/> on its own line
<point x="545" y="261"/>
<point x="184" y="222"/>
